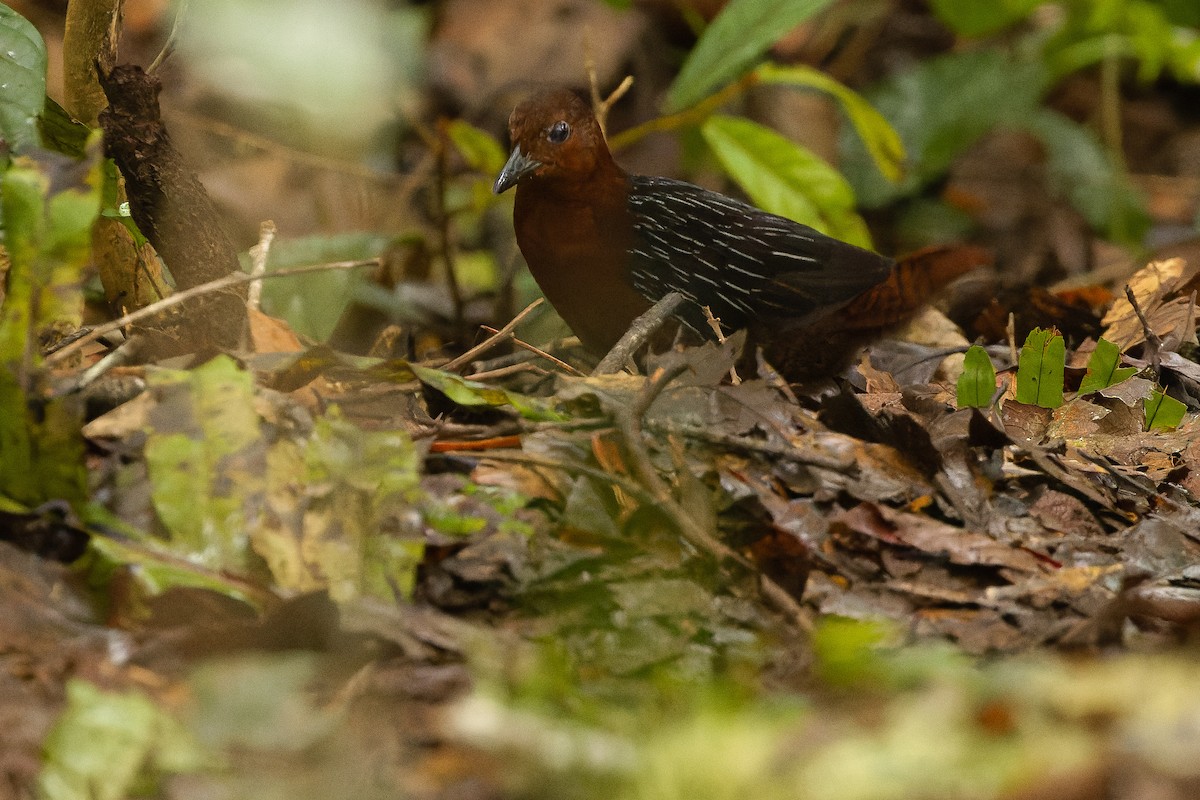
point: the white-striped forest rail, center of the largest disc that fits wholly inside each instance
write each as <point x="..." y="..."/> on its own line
<point x="604" y="245"/>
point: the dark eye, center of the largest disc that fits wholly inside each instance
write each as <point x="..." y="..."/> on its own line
<point x="558" y="132"/>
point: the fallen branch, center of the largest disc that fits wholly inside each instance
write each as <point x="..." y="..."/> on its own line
<point x="638" y="334"/>
<point x="234" y="279"/>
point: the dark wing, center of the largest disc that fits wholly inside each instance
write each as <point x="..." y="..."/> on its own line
<point x="740" y="261"/>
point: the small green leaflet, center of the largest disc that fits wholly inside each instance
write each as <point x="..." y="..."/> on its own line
<point x="1163" y="411"/>
<point x="977" y="384"/>
<point x="1103" y="370"/>
<point x="466" y="392"/>
<point x="1040" y="372"/>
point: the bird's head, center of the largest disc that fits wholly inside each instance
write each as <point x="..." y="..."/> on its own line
<point x="555" y="137"/>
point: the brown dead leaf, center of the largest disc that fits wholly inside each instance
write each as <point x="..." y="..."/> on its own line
<point x="1025" y="423"/>
<point x="1152" y="286"/>
<point x="271" y="335"/>
<point x="1130" y="391"/>
<point x="1075" y="420"/>
<point x="935" y="538"/>
<point x="1065" y="514"/>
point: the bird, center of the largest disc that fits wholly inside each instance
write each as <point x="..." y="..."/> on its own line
<point x="604" y="245"/>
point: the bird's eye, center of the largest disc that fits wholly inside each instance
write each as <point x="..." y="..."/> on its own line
<point x="558" y="132"/>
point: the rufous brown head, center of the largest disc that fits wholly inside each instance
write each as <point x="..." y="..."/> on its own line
<point x="555" y="137"/>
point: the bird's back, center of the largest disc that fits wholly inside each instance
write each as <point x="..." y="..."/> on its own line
<point x="745" y="264"/>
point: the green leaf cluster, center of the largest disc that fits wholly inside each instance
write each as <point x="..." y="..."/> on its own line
<point x="1040" y="375"/>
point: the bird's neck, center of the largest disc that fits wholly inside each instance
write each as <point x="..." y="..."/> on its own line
<point x="575" y="236"/>
<point x="605" y="184"/>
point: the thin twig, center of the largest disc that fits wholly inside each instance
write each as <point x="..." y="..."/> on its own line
<point x="504" y="372"/>
<point x="685" y="118"/>
<point x="540" y="353"/>
<point x="1153" y="341"/>
<point x="600" y="106"/>
<point x="169" y="46"/>
<point x="234" y="279"/>
<point x="258" y="263"/>
<point x="490" y="342"/>
<point x="714" y="324"/>
<point x="778" y="451"/>
<point x="399" y="185"/>
<point x="639" y="332"/>
<point x="1010" y="331"/>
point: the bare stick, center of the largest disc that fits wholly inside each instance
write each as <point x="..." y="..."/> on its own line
<point x="715" y="325"/>
<point x="639" y="332"/>
<point x="1153" y="341"/>
<point x="494" y="339"/>
<point x="600" y="107"/>
<point x="258" y="262"/>
<point x="172" y="39"/>
<point x="537" y="351"/>
<point x="225" y="282"/>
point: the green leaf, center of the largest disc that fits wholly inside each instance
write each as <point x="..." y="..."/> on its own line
<point x="1103" y="369"/>
<point x="978" y="19"/>
<point x="977" y="384"/>
<point x="733" y="43"/>
<point x="876" y="133"/>
<point x="61" y="133"/>
<point x="105" y="741"/>
<point x="313" y="304"/>
<point x="473" y="393"/>
<point x="784" y="178"/>
<point x="1163" y="411"/>
<point x="1041" y="368"/>
<point x="22" y="80"/>
<point x="478" y="148"/>
<point x="1081" y="169"/>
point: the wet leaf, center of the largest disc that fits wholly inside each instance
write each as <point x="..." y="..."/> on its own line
<point x="49" y="203"/>
<point x="478" y="148"/>
<point x="473" y="393"/>
<point x="205" y="460"/>
<point x="876" y="133"/>
<point x="1080" y="167"/>
<point x="1153" y="286"/>
<point x="978" y="19"/>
